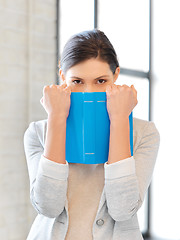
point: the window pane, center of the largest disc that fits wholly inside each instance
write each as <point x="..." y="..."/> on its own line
<point x="126" y="23"/>
<point x="75" y="16"/>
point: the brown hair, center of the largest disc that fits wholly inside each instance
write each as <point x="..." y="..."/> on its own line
<point x="86" y="45"/>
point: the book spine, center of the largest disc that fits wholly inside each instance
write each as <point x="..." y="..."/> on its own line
<point x="89" y="129"/>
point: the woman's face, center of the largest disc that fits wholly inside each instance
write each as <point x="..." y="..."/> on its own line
<point x="92" y="75"/>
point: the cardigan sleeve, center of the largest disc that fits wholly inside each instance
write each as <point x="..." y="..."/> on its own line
<point x="127" y="181"/>
<point x="48" y="179"/>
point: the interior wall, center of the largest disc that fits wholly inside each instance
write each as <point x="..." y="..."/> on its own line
<point x="27" y="63"/>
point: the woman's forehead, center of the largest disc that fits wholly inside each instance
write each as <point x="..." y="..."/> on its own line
<point x="93" y="68"/>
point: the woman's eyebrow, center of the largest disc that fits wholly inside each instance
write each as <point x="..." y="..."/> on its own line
<point x="94" y="79"/>
<point x="102" y="77"/>
<point x="76" y="77"/>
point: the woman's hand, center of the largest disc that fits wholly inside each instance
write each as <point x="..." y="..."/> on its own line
<point x="56" y="100"/>
<point x="121" y="100"/>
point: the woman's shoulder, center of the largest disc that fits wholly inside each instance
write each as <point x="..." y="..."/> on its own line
<point x="145" y="129"/>
<point x="41" y="124"/>
<point x="141" y="125"/>
<point x="36" y="129"/>
<point x="37" y="126"/>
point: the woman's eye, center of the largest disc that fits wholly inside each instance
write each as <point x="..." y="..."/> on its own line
<point x="76" y="81"/>
<point x="100" y="80"/>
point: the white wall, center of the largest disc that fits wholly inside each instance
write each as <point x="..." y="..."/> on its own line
<point x="27" y="63"/>
<point x="166" y="102"/>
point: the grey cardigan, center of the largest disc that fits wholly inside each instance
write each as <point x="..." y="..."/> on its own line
<point x="124" y="189"/>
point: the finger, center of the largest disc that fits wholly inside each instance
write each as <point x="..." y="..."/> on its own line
<point x="45" y="88"/>
<point x="125" y="86"/>
<point x="115" y="87"/>
<point x="63" y="86"/>
<point x="132" y="86"/>
<point x="66" y="87"/>
<point x="53" y="86"/>
<point x="135" y="93"/>
<point x="134" y="90"/>
<point x="67" y="90"/>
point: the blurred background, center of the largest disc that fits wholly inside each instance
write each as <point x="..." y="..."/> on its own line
<point x="146" y="37"/>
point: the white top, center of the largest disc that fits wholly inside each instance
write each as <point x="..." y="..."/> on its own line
<point x="85" y="186"/>
<point x="77" y="201"/>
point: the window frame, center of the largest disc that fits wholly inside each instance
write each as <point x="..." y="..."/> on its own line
<point x="125" y="71"/>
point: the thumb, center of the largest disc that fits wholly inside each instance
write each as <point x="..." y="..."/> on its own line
<point x="67" y="89"/>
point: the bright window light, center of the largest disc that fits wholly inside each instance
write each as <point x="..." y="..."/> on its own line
<point x="75" y="16"/>
<point x="126" y="23"/>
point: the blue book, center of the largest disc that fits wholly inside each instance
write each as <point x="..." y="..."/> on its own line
<point x="88" y="129"/>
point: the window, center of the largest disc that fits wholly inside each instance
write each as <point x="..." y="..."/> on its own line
<point x="75" y="16"/>
<point x="127" y="25"/>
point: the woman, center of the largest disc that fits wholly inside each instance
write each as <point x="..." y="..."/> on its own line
<point x="98" y="201"/>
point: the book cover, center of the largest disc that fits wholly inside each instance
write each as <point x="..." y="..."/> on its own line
<point x="88" y="129"/>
